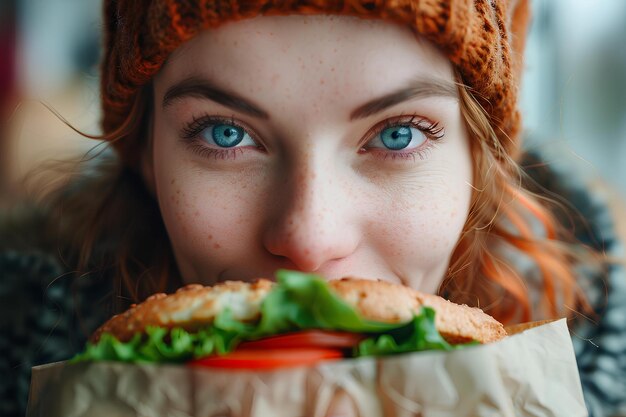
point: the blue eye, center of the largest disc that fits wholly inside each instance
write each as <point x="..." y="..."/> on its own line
<point x="226" y="135"/>
<point x="398" y="137"/>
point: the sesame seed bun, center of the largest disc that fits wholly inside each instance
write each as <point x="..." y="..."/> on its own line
<point x="194" y="306"/>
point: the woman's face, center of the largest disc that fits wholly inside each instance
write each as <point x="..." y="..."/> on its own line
<point x="325" y="144"/>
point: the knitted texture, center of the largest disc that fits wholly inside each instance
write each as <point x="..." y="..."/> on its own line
<point x="484" y="39"/>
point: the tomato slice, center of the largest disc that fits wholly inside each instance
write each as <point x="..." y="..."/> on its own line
<point x="268" y="359"/>
<point x="305" y="339"/>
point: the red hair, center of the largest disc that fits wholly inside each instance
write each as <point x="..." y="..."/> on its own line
<point x="507" y="225"/>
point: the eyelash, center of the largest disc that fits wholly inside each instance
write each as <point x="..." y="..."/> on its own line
<point x="432" y="130"/>
<point x="190" y="136"/>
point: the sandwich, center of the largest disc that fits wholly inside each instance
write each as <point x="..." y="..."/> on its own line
<point x="299" y="319"/>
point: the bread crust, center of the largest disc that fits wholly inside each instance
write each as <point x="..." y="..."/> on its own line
<point x="194" y="306"/>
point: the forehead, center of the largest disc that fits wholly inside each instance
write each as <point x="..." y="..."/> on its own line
<point x="313" y="55"/>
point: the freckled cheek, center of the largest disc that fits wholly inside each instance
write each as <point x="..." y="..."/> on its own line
<point x="201" y="225"/>
<point x="440" y="227"/>
<point x="423" y="234"/>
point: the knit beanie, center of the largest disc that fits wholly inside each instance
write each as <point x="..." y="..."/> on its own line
<point x="484" y="40"/>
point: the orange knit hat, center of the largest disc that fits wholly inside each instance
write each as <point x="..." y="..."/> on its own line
<point x="484" y="39"/>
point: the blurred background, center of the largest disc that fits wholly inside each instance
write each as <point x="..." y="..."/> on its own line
<point x="574" y="87"/>
<point x="573" y="92"/>
<point x="49" y="50"/>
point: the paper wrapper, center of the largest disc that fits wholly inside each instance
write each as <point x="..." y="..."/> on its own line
<point x="532" y="373"/>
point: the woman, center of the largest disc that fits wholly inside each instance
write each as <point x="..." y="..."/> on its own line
<point x="377" y="139"/>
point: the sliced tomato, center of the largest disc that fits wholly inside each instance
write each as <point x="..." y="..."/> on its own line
<point x="305" y="339"/>
<point x="268" y="359"/>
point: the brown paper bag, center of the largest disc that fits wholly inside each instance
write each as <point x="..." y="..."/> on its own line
<point x="532" y="373"/>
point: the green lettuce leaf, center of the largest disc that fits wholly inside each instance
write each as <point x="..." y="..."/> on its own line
<point x="417" y="335"/>
<point x="305" y="301"/>
<point x="298" y="301"/>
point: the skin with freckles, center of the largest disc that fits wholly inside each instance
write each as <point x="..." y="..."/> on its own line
<point x="326" y="144"/>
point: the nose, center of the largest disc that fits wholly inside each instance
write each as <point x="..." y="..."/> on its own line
<point x="313" y="220"/>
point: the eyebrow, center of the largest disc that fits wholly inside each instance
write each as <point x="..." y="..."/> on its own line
<point x="418" y="88"/>
<point x="203" y="88"/>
